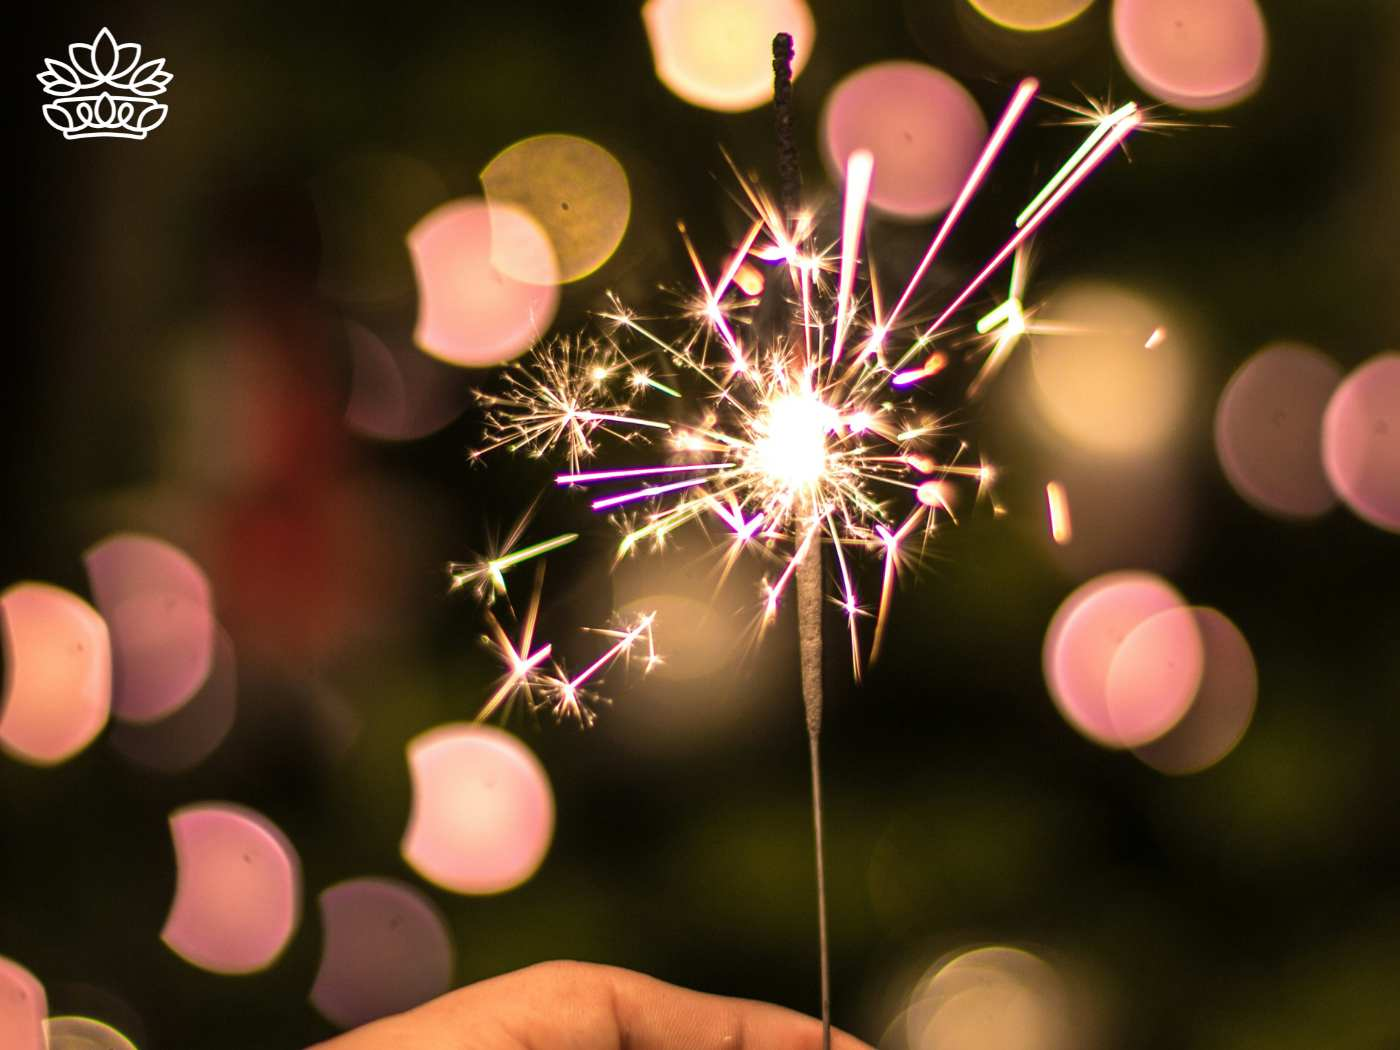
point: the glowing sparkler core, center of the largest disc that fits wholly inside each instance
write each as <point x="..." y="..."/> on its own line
<point x="792" y="449"/>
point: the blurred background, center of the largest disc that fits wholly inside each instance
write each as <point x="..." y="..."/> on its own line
<point x="239" y="424"/>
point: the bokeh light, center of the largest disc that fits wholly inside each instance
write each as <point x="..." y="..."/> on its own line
<point x="469" y="312"/>
<point x="237" y="889"/>
<point x="921" y="125"/>
<point x="989" y="998"/>
<point x="717" y="54"/>
<point x="685" y="703"/>
<point x="386" y="949"/>
<point x="183" y="739"/>
<point x="1361" y="441"/>
<point x="1097" y="381"/>
<point x="396" y="393"/>
<point x="58" y="673"/>
<point x="364" y="205"/>
<point x="159" y="608"/>
<point x="84" y="1033"/>
<point x="1223" y="706"/>
<point x="483" y="810"/>
<point x="695" y="640"/>
<point x="23" y="1007"/>
<point x="1082" y="642"/>
<point x="1195" y="54"/>
<point x="1154" y="675"/>
<point x="1030" y="16"/>
<point x="1268" y="429"/>
<point x="574" y="189"/>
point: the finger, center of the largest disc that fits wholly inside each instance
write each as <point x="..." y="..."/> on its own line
<point x="577" y="1006"/>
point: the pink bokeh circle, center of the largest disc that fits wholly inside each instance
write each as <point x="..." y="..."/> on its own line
<point x="1084" y="637"/>
<point x="160" y="608"/>
<point x="1195" y="54"/>
<point x="237" y="889"/>
<point x="1223" y="707"/>
<point x="470" y="313"/>
<point x="1154" y="675"/>
<point x="1268" y="429"/>
<point x="23" y="1007"/>
<point x="1361" y="441"/>
<point x="387" y="949"/>
<point x="483" y="810"/>
<point x="58" y="673"/>
<point x="922" y="127"/>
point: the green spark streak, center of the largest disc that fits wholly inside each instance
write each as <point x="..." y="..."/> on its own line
<point x="996" y="317"/>
<point x="496" y="566"/>
<point x="660" y="386"/>
<point x="1106" y="125"/>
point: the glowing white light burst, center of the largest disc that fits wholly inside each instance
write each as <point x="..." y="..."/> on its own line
<point x="793" y="437"/>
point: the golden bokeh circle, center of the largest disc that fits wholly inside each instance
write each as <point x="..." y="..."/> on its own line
<point x="574" y="189"/>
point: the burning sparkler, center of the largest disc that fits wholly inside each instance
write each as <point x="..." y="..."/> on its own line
<point x="789" y="440"/>
<point x="790" y="437"/>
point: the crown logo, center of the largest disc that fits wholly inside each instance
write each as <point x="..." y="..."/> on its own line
<point x="104" y="90"/>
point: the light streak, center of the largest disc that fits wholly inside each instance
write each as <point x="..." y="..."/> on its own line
<point x="642" y="379"/>
<point x="500" y="565"/>
<point x="1020" y="99"/>
<point x="859" y="167"/>
<point x="647" y="493"/>
<point x="1096" y="156"/>
<point x="1058" y="504"/>
<point x="492" y="570"/>
<point x="1102" y="128"/>
<point x="569" y="698"/>
<point x="634" y="472"/>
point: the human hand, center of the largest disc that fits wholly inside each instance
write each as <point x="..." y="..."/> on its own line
<point x="579" y="1006"/>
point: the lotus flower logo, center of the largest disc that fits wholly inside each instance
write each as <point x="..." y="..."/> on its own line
<point x="104" y="90"/>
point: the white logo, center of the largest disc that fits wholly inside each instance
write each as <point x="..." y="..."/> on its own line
<point x="105" y="90"/>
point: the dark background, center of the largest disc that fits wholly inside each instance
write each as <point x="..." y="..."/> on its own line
<point x="1254" y="905"/>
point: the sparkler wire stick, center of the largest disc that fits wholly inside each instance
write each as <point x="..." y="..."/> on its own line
<point x="810" y="567"/>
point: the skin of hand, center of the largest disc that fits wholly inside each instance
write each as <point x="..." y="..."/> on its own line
<point x="580" y="1006"/>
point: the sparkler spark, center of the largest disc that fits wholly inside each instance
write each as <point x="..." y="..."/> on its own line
<point x="492" y="570"/>
<point x="799" y="439"/>
<point x="551" y="688"/>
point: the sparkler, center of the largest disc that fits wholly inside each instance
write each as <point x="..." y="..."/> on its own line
<point x="787" y="422"/>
